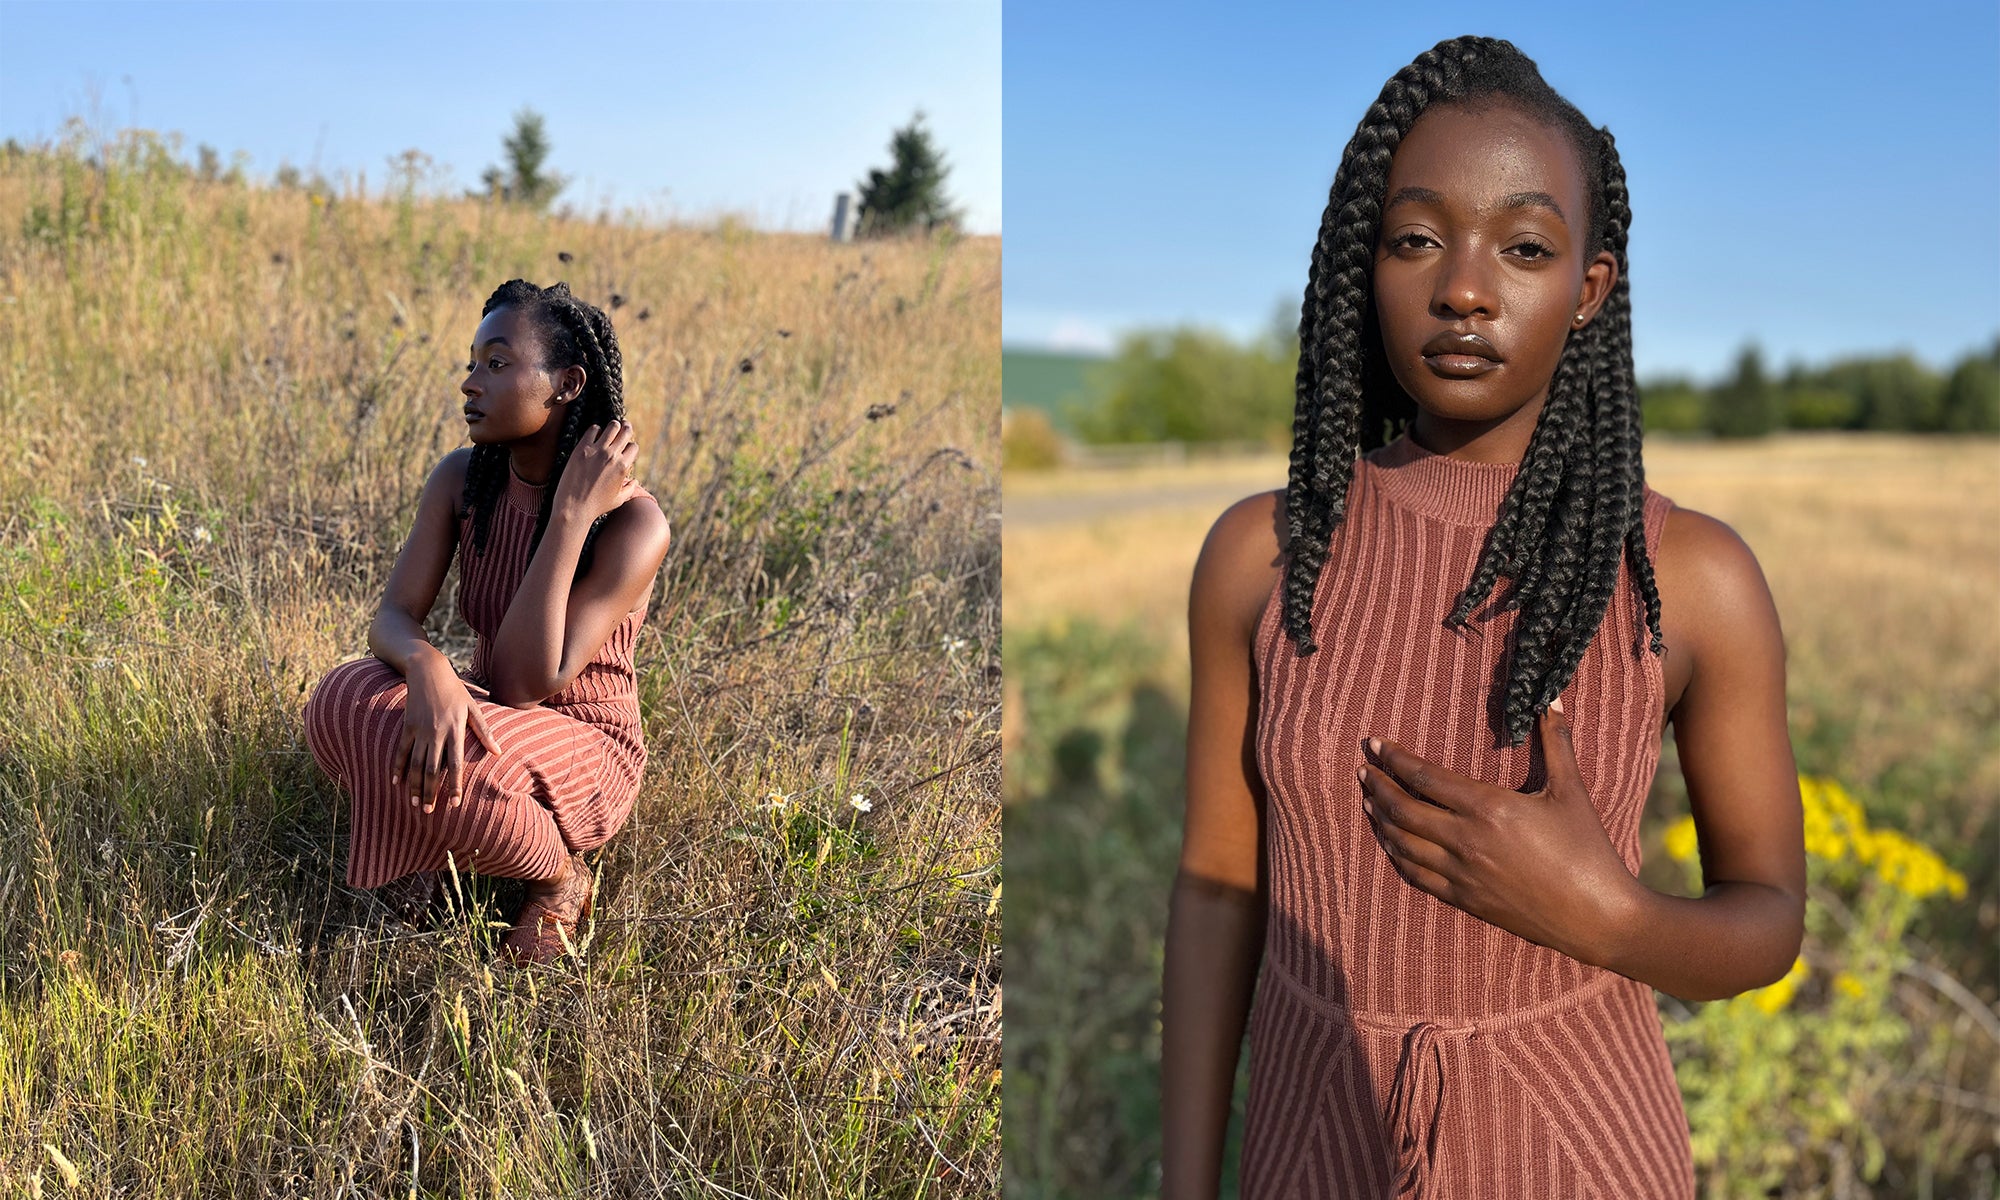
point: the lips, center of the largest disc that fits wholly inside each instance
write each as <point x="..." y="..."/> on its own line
<point x="473" y="414"/>
<point x="1450" y="344"/>
<point x="1460" y="355"/>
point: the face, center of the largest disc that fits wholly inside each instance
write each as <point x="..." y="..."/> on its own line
<point x="513" y="398"/>
<point x="1480" y="265"/>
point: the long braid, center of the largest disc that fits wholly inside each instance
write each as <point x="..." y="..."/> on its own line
<point x="1333" y="348"/>
<point x="1576" y="508"/>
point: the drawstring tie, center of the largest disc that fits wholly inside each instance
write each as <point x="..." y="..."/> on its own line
<point x="1415" y="1102"/>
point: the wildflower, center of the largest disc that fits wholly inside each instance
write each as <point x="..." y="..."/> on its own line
<point x="1770" y="999"/>
<point x="952" y="645"/>
<point x="861" y="802"/>
<point x="1849" y="984"/>
<point x="1681" y="839"/>
<point x="201" y="534"/>
<point x="776" y="800"/>
<point x="139" y="460"/>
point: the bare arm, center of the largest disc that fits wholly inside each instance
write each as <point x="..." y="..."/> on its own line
<point x="553" y="628"/>
<point x="396" y="636"/>
<point x="1215" y="927"/>
<point x="1744" y="931"/>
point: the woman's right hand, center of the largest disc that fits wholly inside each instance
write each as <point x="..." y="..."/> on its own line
<point x="429" y="757"/>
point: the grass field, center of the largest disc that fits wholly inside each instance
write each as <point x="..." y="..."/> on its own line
<point x="1883" y="554"/>
<point x="219" y="405"/>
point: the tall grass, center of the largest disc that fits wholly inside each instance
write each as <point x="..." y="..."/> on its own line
<point x="219" y="405"/>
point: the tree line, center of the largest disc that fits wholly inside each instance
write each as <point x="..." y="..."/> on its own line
<point x="1192" y="385"/>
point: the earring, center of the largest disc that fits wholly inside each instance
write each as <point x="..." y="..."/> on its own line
<point x="1579" y="319"/>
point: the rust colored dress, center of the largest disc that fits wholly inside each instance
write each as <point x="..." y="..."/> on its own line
<point x="1400" y="1046"/>
<point x="568" y="769"/>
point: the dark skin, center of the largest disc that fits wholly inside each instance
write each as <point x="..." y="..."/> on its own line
<point x="552" y="627"/>
<point x="1482" y="232"/>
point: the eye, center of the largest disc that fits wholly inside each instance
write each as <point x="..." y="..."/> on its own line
<point x="1409" y="238"/>
<point x="495" y="363"/>
<point x="1536" y="250"/>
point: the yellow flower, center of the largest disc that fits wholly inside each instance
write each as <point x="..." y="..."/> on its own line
<point x="1770" y="999"/>
<point x="1849" y="984"/>
<point x="1681" y="839"/>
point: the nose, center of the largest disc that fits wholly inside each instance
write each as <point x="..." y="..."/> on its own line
<point x="1464" y="286"/>
<point x="467" y="388"/>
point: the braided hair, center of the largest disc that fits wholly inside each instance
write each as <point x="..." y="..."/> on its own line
<point x="1576" y="506"/>
<point x="573" y="333"/>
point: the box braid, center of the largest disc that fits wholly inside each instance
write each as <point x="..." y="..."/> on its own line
<point x="1576" y="507"/>
<point x="573" y="333"/>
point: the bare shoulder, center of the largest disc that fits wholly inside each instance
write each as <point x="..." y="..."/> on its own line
<point x="1717" y="616"/>
<point x="448" y="477"/>
<point x="641" y="520"/>
<point x="1706" y="569"/>
<point x="1238" y="566"/>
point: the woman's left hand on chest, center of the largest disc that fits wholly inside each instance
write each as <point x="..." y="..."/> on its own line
<point x="1537" y="864"/>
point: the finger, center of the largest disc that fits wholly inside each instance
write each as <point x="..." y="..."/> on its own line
<point x="453" y="765"/>
<point x="1417" y="861"/>
<point x="1387" y="804"/>
<point x="399" y="757"/>
<point x="477" y="720"/>
<point x="1421" y="777"/>
<point x="435" y="775"/>
<point x="1559" y="752"/>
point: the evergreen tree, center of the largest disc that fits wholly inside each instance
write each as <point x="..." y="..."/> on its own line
<point x="910" y="194"/>
<point x="1972" y="398"/>
<point x="1746" y="406"/>
<point x="524" y="181"/>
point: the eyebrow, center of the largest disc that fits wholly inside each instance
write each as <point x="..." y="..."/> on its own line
<point x="495" y="341"/>
<point x="1423" y="195"/>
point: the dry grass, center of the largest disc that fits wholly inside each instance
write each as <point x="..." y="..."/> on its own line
<point x="220" y="406"/>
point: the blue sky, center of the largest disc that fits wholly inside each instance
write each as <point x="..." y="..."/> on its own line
<point x="1823" y="178"/>
<point x="761" y="109"/>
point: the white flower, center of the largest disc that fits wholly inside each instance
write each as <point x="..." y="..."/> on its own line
<point x="952" y="645"/>
<point x="201" y="534"/>
<point x="861" y="802"/>
<point x="775" y="800"/>
<point x="138" y="460"/>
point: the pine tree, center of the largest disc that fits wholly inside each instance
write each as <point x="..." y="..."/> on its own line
<point x="524" y="181"/>
<point x="1746" y="406"/>
<point x="910" y="194"/>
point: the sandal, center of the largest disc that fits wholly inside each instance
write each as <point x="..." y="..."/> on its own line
<point x="550" y="916"/>
<point x="411" y="897"/>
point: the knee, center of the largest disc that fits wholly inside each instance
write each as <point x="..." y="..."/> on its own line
<point x="344" y="691"/>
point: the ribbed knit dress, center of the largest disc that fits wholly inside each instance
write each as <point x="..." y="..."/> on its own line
<point x="1400" y="1046"/>
<point x="568" y="769"/>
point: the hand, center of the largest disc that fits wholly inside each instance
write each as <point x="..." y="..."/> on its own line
<point x="598" y="476"/>
<point x="1537" y="865"/>
<point x="429" y="758"/>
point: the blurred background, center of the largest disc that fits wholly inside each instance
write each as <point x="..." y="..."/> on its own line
<point x="1815" y="272"/>
<point x="243" y="249"/>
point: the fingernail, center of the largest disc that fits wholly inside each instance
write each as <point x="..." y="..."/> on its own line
<point x="1361" y="773"/>
<point x="1374" y="745"/>
<point x="1557" y="704"/>
<point x="1367" y="808"/>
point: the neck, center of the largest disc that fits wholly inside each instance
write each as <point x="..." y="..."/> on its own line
<point x="1501" y="440"/>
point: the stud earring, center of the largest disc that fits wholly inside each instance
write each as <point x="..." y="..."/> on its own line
<point x="1579" y="319"/>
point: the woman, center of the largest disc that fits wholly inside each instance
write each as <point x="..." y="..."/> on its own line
<point x="564" y="547"/>
<point x="1413" y="797"/>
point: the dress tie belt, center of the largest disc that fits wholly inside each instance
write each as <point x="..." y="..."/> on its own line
<point x="1416" y="1096"/>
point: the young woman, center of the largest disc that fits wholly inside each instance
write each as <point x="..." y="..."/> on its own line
<point x="1413" y="793"/>
<point x="557" y="547"/>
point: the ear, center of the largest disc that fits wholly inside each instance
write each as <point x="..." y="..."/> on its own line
<point x="569" y="384"/>
<point x="1598" y="279"/>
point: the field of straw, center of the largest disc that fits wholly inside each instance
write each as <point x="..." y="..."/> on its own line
<point x="219" y="405"/>
<point x="1883" y="554"/>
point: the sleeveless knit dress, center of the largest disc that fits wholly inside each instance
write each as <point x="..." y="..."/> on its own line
<point x="1400" y="1046"/>
<point x="568" y="769"/>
